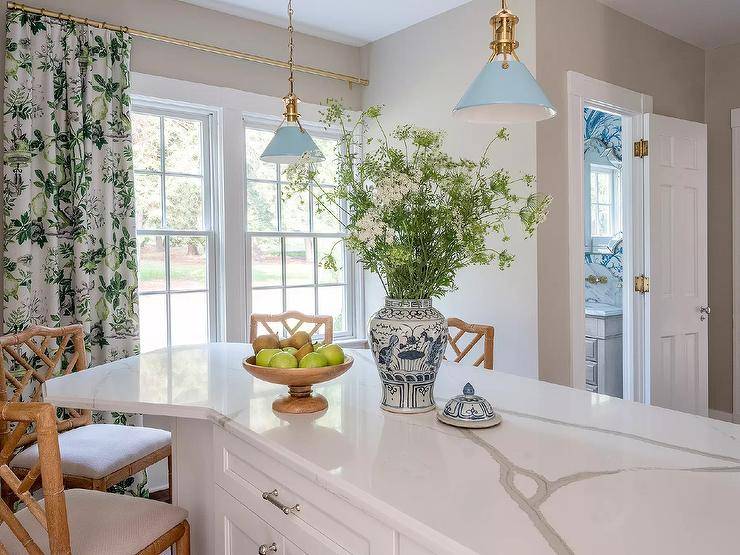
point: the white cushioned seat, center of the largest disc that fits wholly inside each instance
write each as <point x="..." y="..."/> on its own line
<point x="96" y="450"/>
<point x="101" y="523"/>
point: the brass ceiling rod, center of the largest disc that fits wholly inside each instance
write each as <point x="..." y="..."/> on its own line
<point x="349" y="79"/>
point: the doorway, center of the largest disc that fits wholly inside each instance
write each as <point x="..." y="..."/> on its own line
<point x="606" y="238"/>
<point x="637" y="192"/>
<point x="604" y="214"/>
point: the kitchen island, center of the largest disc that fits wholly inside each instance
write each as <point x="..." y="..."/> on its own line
<point x="566" y="472"/>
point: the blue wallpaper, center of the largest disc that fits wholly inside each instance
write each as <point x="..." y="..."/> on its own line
<point x="603" y="134"/>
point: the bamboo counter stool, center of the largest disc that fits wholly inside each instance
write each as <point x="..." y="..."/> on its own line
<point x="291" y="322"/>
<point x="78" y="521"/>
<point x="478" y="331"/>
<point x="93" y="456"/>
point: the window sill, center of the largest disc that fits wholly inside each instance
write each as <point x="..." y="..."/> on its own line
<point x="353" y="343"/>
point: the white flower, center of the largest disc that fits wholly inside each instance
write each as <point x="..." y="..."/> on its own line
<point x="393" y="188"/>
<point x="369" y="228"/>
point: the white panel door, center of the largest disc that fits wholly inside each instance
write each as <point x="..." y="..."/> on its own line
<point x="676" y="186"/>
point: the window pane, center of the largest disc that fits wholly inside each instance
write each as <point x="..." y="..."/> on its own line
<point x="151" y="263"/>
<point x="328" y="168"/>
<point x="148" y="191"/>
<point x="145" y="135"/>
<point x="603" y="228"/>
<point x="256" y="142"/>
<point x="267" y="301"/>
<point x="325" y="213"/>
<point x="182" y="146"/>
<point x="266" y="262"/>
<point x="300" y="299"/>
<point x="605" y="188"/>
<point x="262" y="206"/>
<point x="189" y="318"/>
<point x="153" y="322"/>
<point x="594" y="187"/>
<point x="331" y="302"/>
<point x="184" y="202"/>
<point x="334" y="246"/>
<point x="188" y="268"/>
<point x="299" y="261"/>
<point x="294" y="213"/>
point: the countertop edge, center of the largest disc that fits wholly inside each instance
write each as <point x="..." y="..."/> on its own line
<point x="377" y="509"/>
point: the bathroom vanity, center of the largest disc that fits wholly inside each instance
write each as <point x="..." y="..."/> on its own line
<point x="567" y="471"/>
<point x="604" y="349"/>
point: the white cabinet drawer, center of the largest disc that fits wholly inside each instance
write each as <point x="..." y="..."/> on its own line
<point x="246" y="473"/>
<point x="239" y="531"/>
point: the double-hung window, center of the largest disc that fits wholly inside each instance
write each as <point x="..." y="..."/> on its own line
<point x="606" y="203"/>
<point x="287" y="238"/>
<point x="175" y="228"/>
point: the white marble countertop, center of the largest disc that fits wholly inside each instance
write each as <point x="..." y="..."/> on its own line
<point x="566" y="472"/>
<point x="602" y="309"/>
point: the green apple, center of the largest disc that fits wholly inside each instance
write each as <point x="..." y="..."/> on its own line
<point x="264" y="356"/>
<point x="283" y="360"/>
<point x="314" y="360"/>
<point x="291" y="350"/>
<point x="333" y="353"/>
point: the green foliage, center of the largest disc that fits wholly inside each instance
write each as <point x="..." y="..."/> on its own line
<point x="413" y="214"/>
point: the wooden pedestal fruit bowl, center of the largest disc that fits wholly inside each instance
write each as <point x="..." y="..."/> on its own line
<point x="300" y="399"/>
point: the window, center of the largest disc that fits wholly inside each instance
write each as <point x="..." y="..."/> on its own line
<point x="288" y="237"/>
<point x="174" y="229"/>
<point x="606" y="208"/>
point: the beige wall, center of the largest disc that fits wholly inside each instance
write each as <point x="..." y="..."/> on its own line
<point x="606" y="45"/>
<point x="182" y="20"/>
<point x="420" y="73"/>
<point x="722" y="95"/>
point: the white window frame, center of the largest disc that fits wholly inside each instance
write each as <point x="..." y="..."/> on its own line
<point x="615" y="206"/>
<point x="353" y="327"/>
<point x="211" y="194"/>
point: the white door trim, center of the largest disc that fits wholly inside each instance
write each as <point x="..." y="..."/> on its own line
<point x="735" y="123"/>
<point x="582" y="91"/>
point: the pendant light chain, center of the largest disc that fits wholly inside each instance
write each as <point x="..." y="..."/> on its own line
<point x="290" y="43"/>
<point x="291" y="141"/>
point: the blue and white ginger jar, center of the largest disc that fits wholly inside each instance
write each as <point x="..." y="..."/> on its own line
<point x="408" y="339"/>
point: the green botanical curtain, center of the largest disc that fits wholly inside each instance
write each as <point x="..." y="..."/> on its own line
<point x="70" y="242"/>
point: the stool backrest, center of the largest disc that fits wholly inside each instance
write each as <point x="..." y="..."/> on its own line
<point x="462" y="344"/>
<point x="29" y="358"/>
<point x="52" y="515"/>
<point x="289" y="323"/>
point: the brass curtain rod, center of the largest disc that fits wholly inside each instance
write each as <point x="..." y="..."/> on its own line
<point x="349" y="79"/>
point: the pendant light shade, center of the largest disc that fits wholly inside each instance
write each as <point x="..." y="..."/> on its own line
<point x="501" y="95"/>
<point x="290" y="143"/>
<point x="504" y="91"/>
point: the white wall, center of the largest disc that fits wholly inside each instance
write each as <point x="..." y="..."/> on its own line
<point x="419" y="74"/>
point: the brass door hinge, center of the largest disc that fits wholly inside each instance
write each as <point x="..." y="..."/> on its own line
<point x="642" y="284"/>
<point x="641" y="148"/>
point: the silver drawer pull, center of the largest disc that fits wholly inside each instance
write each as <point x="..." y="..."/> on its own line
<point x="264" y="549"/>
<point x="272" y="497"/>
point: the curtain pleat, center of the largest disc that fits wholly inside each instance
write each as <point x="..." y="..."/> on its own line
<point x="69" y="221"/>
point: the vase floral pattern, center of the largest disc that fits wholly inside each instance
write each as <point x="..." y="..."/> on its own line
<point x="408" y="339"/>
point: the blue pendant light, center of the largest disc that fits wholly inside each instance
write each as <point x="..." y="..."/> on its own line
<point x="504" y="91"/>
<point x="291" y="141"/>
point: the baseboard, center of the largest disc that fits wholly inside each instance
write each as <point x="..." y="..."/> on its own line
<point x="720" y="415"/>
